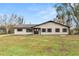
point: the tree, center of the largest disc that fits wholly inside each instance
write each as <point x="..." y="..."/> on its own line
<point x="68" y="12"/>
<point x="9" y="21"/>
<point x="15" y="20"/>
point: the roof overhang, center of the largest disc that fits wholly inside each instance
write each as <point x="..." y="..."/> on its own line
<point x="32" y="25"/>
<point x="52" y="22"/>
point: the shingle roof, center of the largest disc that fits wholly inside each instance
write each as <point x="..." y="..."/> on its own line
<point x="24" y="26"/>
<point x="33" y="25"/>
<point x="52" y="22"/>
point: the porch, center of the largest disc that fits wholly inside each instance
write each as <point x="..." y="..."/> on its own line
<point x="36" y="30"/>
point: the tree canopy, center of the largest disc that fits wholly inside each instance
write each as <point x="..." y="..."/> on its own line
<point x="68" y="13"/>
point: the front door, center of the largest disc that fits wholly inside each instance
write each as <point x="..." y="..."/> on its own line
<point x="36" y="30"/>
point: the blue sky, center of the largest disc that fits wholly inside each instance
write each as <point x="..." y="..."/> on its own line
<point x="32" y="12"/>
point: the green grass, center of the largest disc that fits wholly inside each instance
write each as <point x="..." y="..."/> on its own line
<point x="39" y="45"/>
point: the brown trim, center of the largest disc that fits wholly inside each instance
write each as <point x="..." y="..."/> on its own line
<point x="53" y="22"/>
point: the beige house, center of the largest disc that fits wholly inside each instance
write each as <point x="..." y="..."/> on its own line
<point x="46" y="28"/>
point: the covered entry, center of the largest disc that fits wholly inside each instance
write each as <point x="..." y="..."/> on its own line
<point x="36" y="30"/>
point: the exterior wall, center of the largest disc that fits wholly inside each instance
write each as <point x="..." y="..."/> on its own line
<point x="52" y="26"/>
<point x="22" y="32"/>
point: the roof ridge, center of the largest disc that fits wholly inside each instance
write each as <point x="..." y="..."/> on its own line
<point x="53" y="22"/>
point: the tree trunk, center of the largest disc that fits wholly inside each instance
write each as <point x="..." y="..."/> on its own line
<point x="7" y="29"/>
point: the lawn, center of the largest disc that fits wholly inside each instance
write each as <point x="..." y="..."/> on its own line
<point x="37" y="45"/>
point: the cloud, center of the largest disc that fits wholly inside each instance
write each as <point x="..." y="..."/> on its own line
<point x="32" y="9"/>
<point x="47" y="10"/>
<point x="41" y="14"/>
<point x="48" y="13"/>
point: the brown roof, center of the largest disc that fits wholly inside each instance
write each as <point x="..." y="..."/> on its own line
<point x="24" y="26"/>
<point x="33" y="25"/>
<point x="52" y="22"/>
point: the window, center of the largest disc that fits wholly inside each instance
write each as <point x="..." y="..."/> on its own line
<point x="57" y="30"/>
<point x="19" y="29"/>
<point x="49" y="30"/>
<point x="28" y="30"/>
<point x="64" y="30"/>
<point x="43" y="30"/>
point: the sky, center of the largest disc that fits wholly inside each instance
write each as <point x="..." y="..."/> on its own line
<point x="34" y="13"/>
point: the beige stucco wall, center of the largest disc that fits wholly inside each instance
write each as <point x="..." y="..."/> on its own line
<point x="53" y="26"/>
<point x="22" y="32"/>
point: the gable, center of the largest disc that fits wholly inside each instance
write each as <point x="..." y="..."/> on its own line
<point x="50" y="24"/>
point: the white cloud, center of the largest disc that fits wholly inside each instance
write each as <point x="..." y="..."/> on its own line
<point x="42" y="15"/>
<point x="48" y="13"/>
<point x="47" y="10"/>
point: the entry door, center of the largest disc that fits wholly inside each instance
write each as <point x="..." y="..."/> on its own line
<point x="36" y="31"/>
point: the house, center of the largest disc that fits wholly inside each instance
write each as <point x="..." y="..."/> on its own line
<point x="46" y="28"/>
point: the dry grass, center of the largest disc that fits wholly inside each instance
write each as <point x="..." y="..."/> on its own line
<point x="39" y="45"/>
